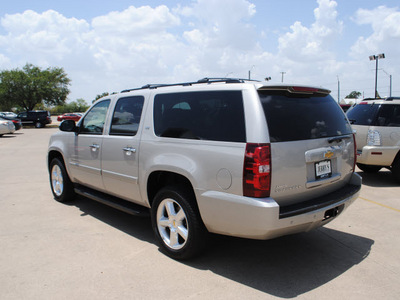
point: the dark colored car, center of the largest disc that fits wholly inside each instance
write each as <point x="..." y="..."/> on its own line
<point x="69" y="116"/>
<point x="17" y="122"/>
<point x="38" y="118"/>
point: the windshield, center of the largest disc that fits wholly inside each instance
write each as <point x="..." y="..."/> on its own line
<point x="293" y="118"/>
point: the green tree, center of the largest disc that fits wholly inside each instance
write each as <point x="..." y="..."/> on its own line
<point x="33" y="86"/>
<point x="79" y="105"/>
<point x="353" y="95"/>
<point x="100" y="96"/>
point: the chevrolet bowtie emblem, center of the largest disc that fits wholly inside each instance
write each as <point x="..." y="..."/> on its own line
<point x="328" y="154"/>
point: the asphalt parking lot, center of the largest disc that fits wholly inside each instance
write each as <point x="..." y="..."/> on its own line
<point x="85" y="250"/>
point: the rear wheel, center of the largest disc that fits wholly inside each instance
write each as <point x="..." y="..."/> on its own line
<point x="38" y="124"/>
<point x="369" y="168"/>
<point x="61" y="185"/>
<point x="177" y="224"/>
<point x="396" y="169"/>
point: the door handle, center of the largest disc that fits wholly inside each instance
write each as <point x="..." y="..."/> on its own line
<point x="94" y="147"/>
<point x="129" y="150"/>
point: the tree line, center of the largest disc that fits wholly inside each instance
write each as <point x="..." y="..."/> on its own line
<point x="32" y="88"/>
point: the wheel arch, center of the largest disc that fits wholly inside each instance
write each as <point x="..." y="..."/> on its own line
<point x="54" y="154"/>
<point x="396" y="158"/>
<point x="157" y="180"/>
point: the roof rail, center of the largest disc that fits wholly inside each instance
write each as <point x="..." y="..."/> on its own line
<point x="384" y="99"/>
<point x="201" y="81"/>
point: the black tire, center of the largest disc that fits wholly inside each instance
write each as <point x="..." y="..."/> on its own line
<point x="369" y="168"/>
<point x="38" y="124"/>
<point x="177" y="224"/>
<point x="61" y="186"/>
<point x="396" y="169"/>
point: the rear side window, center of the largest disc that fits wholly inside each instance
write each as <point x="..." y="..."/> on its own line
<point x="293" y="118"/>
<point x="389" y="115"/>
<point x="211" y="115"/>
<point x="363" y="114"/>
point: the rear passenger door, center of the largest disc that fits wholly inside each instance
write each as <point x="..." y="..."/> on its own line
<point x="120" y="156"/>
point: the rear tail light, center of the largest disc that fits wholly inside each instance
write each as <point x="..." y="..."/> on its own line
<point x="374" y="138"/>
<point x="355" y="152"/>
<point x="257" y="171"/>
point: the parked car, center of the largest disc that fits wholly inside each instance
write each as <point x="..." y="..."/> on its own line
<point x="377" y="126"/>
<point x="69" y="116"/>
<point x="346" y="107"/>
<point x="6" y="127"/>
<point x="8" y="114"/>
<point x="38" y="118"/>
<point x="227" y="156"/>
<point x="16" y="121"/>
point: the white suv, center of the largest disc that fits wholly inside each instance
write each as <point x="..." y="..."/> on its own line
<point x="377" y="126"/>
<point x="227" y="156"/>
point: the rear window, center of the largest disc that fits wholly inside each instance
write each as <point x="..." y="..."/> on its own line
<point x="293" y="117"/>
<point x="363" y="114"/>
<point x="211" y="115"/>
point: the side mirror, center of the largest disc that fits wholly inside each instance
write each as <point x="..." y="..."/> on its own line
<point x="68" y="126"/>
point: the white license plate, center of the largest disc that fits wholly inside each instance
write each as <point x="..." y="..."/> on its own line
<point x="323" y="169"/>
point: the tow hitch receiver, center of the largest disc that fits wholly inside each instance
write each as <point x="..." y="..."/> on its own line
<point x="331" y="213"/>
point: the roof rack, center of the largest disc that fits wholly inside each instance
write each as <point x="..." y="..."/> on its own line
<point x="201" y="81"/>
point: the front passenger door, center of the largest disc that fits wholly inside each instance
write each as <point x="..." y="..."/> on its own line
<point x="86" y="149"/>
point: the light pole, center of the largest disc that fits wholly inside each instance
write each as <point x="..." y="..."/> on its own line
<point x="283" y="73"/>
<point x="376" y="57"/>
<point x="390" y="78"/>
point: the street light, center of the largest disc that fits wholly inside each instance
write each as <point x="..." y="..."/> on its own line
<point x="376" y="57"/>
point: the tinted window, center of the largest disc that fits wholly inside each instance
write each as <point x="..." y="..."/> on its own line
<point x="292" y="118"/>
<point x="95" y="118"/>
<point x="389" y="115"/>
<point x="126" y="118"/>
<point x="363" y="114"/>
<point x="213" y="115"/>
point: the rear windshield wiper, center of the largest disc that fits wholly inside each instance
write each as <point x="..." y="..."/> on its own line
<point x="338" y="138"/>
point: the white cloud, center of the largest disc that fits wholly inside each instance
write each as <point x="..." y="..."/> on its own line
<point x="386" y="30"/>
<point x="312" y="44"/>
<point x="140" y="45"/>
<point x="36" y="36"/>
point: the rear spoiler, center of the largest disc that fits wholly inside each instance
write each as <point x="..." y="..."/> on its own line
<point x="296" y="89"/>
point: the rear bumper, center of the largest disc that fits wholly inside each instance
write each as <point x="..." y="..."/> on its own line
<point x="264" y="219"/>
<point x="378" y="156"/>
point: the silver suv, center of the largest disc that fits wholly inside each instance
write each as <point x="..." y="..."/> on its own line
<point x="377" y="126"/>
<point x="227" y="156"/>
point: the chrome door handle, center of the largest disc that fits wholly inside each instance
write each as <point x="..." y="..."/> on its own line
<point x="94" y="147"/>
<point x="129" y="150"/>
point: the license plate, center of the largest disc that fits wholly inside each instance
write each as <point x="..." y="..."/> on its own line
<point x="323" y="169"/>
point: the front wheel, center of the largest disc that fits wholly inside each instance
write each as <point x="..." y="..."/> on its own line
<point x="369" y="168"/>
<point x="177" y="224"/>
<point x="61" y="185"/>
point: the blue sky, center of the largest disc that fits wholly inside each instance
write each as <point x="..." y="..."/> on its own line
<point x="107" y="46"/>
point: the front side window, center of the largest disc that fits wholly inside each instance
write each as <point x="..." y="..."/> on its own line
<point x="212" y="115"/>
<point x="126" y="117"/>
<point x="93" y="123"/>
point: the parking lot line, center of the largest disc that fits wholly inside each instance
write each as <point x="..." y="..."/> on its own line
<point x="392" y="208"/>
